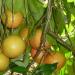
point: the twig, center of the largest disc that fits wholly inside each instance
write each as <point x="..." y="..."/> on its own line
<point x="49" y="12"/>
<point x="63" y="43"/>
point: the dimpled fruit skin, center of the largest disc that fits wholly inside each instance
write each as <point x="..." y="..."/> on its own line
<point x="55" y="57"/>
<point x="4" y="62"/>
<point x="12" y="20"/>
<point x="13" y="46"/>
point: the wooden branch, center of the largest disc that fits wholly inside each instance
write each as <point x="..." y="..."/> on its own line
<point x="49" y="13"/>
<point x="63" y="43"/>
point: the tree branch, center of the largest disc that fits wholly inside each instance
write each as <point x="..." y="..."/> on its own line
<point x="63" y="43"/>
<point x="49" y="12"/>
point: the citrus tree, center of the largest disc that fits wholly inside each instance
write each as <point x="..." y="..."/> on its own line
<point x="37" y="37"/>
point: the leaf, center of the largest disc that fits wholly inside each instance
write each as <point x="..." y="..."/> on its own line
<point x="26" y="57"/>
<point x="58" y="19"/>
<point x="68" y="15"/>
<point x="19" y="63"/>
<point x="16" y="68"/>
<point x="67" y="10"/>
<point x="18" y="5"/>
<point x="72" y="9"/>
<point x="51" y="40"/>
<point x="1" y="73"/>
<point x="48" y="68"/>
<point x="72" y="40"/>
<point x="69" y="7"/>
<point x="0" y="6"/>
<point x="52" y="24"/>
<point x="36" y="8"/>
<point x="70" y="0"/>
<point x="45" y="69"/>
<point x="69" y="68"/>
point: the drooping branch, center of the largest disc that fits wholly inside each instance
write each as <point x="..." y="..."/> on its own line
<point x="63" y="43"/>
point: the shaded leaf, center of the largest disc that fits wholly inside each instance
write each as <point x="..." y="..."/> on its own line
<point x="68" y="13"/>
<point x="0" y="6"/>
<point x="36" y="8"/>
<point x="16" y="68"/>
<point x="26" y="57"/>
<point x="45" y="69"/>
<point x="58" y="19"/>
<point x="51" y="40"/>
<point x="18" y="5"/>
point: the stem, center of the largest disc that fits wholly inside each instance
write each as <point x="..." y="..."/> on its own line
<point x="49" y="12"/>
<point x="63" y="43"/>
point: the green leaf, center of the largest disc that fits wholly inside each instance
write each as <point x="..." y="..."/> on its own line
<point x="26" y="57"/>
<point x="73" y="22"/>
<point x="69" y="7"/>
<point x="48" y="68"/>
<point x="52" y="24"/>
<point x="67" y="10"/>
<point x="45" y="69"/>
<point x="1" y="73"/>
<point x="36" y="8"/>
<point x="51" y="40"/>
<point x="70" y="0"/>
<point x="18" y="5"/>
<point x="68" y="15"/>
<point x="19" y="63"/>
<point x="0" y="6"/>
<point x="72" y="40"/>
<point x="69" y="68"/>
<point x="58" y="16"/>
<point x="16" y="68"/>
<point x="72" y="9"/>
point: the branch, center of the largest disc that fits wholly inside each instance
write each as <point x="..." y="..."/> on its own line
<point x="49" y="13"/>
<point x="63" y="43"/>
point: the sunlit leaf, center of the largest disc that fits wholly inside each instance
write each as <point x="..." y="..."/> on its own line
<point x="70" y="0"/>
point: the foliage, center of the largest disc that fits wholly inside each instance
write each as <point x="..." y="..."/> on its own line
<point x="60" y="32"/>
